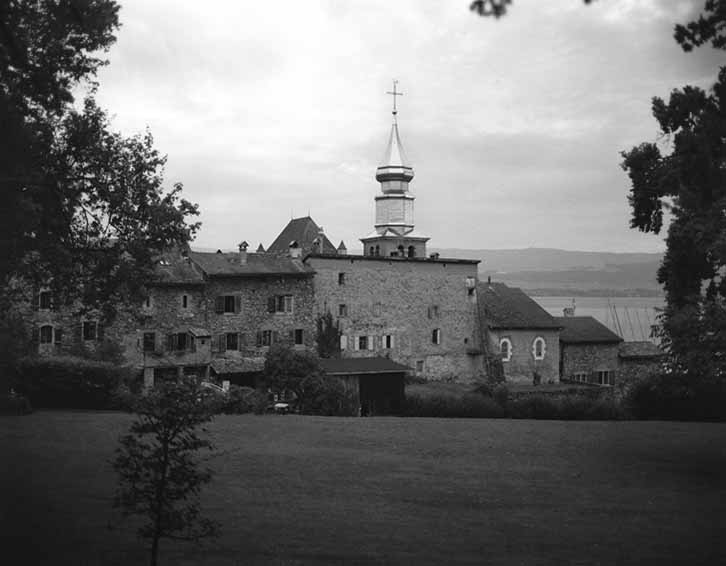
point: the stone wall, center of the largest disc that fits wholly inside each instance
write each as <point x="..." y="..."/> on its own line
<point x="406" y="300"/>
<point x="589" y="359"/>
<point x="522" y="365"/>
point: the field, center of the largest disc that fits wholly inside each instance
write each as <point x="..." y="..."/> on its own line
<point x="306" y="490"/>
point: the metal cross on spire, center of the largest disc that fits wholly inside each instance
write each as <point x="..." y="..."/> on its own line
<point x="394" y="94"/>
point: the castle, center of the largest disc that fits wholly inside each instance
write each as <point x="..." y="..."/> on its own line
<point x="215" y="315"/>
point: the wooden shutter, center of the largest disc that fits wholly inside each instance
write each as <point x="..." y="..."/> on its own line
<point x="240" y="340"/>
<point x="170" y="342"/>
<point x="237" y="303"/>
<point x="343" y="342"/>
<point x="58" y="336"/>
<point x="428" y="312"/>
<point x="219" y="305"/>
<point x="100" y="331"/>
<point x="271" y="304"/>
<point x="371" y="345"/>
<point x="259" y="338"/>
<point x="356" y="343"/>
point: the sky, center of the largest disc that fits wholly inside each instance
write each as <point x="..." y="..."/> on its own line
<point x="514" y="127"/>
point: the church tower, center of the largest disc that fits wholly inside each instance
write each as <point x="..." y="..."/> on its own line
<point x="394" y="233"/>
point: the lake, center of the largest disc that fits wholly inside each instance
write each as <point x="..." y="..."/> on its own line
<point x="630" y="317"/>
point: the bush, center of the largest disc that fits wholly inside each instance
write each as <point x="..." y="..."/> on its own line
<point x="71" y="383"/>
<point x="243" y="400"/>
<point x="676" y="396"/>
<point x="319" y="395"/>
<point x="468" y="405"/>
<point x="14" y="404"/>
<point x="565" y="407"/>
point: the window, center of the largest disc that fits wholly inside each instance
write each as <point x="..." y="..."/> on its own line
<point x="267" y="338"/>
<point x="179" y="342"/>
<point x="539" y="348"/>
<point x="580" y="377"/>
<point x="46" y="334"/>
<point x="232" y="341"/>
<point x="90" y="330"/>
<point x="149" y="341"/>
<point x="229" y="303"/>
<point x="388" y="341"/>
<point x="436" y="336"/>
<point x="411" y="251"/>
<point x="505" y="349"/>
<point x="147" y="302"/>
<point x="280" y="304"/>
<point x="342" y="310"/>
<point x="44" y="300"/>
<point x="433" y="311"/>
<point x="185" y="301"/>
<point x="341" y="278"/>
<point x="298" y="337"/>
<point x="362" y="342"/>
<point x="603" y="377"/>
<point x="419" y="366"/>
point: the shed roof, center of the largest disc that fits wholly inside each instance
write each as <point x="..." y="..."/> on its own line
<point x="640" y="350"/>
<point x="585" y="330"/>
<point x="355" y="366"/>
<point x="256" y="265"/>
<point x="303" y="231"/>
<point x="510" y="307"/>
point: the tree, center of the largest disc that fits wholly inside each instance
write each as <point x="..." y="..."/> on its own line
<point x="328" y="336"/>
<point x="159" y="468"/>
<point x="286" y="368"/>
<point x="83" y="207"/>
<point x="496" y="8"/>
<point x="689" y="180"/>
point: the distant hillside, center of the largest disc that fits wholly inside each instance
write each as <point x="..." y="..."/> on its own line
<point x="545" y="271"/>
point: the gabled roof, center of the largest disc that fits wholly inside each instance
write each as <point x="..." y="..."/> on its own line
<point x="256" y="265"/>
<point x="585" y="330"/>
<point x="640" y="350"/>
<point x="510" y="307"/>
<point x="350" y="366"/>
<point x="303" y="231"/>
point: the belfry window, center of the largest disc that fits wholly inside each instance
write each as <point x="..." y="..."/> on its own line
<point x="411" y="251"/>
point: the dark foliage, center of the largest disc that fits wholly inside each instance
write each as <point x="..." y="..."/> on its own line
<point x="690" y="181"/>
<point x="241" y="400"/>
<point x="83" y="207"/>
<point x="496" y="8"/>
<point x="70" y="383"/>
<point x="441" y="405"/>
<point x="677" y="397"/>
<point x="328" y="336"/>
<point x="159" y="464"/>
<point x="14" y="404"/>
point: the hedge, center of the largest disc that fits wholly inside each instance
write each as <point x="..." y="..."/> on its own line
<point x="71" y="382"/>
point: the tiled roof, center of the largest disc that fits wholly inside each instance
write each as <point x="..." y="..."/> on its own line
<point x="228" y="265"/>
<point x="510" y="307"/>
<point x="303" y="231"/>
<point x="585" y="330"/>
<point x="640" y="350"/>
<point x="237" y="365"/>
<point x="338" y="366"/>
<point x="174" y="269"/>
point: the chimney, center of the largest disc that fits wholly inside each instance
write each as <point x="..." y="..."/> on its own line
<point x="243" y="253"/>
<point x="294" y="249"/>
<point x="569" y="311"/>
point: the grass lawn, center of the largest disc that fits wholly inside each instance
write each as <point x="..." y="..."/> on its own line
<point x="306" y="490"/>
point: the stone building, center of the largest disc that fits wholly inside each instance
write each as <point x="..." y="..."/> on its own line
<point x="524" y="334"/>
<point x="589" y="351"/>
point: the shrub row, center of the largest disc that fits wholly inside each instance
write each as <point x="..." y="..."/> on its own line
<point x="496" y="403"/>
<point x="72" y="383"/>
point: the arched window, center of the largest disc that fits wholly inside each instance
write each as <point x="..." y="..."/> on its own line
<point x="378" y="250"/>
<point x="505" y="349"/>
<point x="372" y="252"/>
<point x="401" y="251"/>
<point x="411" y="251"/>
<point x="539" y="347"/>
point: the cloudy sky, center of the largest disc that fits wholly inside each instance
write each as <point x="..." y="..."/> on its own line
<point x="513" y="127"/>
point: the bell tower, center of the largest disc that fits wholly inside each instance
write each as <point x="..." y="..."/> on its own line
<point x="394" y="234"/>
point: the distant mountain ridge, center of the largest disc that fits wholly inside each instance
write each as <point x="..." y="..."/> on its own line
<point x="544" y="271"/>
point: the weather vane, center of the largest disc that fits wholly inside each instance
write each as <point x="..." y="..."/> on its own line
<point x="394" y="94"/>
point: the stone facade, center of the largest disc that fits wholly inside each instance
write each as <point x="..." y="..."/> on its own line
<point x="521" y="365"/>
<point x="419" y="312"/>
<point x="590" y="363"/>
